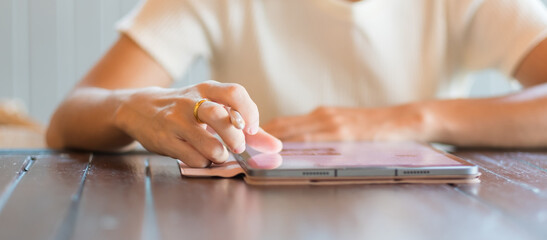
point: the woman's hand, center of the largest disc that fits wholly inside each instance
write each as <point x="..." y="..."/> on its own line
<point x="349" y="124"/>
<point x="162" y="120"/>
<point x="116" y="103"/>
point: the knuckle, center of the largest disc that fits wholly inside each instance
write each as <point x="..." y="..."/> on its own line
<point x="203" y="86"/>
<point x="340" y="133"/>
<point x="236" y="90"/>
<point x="337" y="131"/>
<point x="210" y="82"/>
<point x="235" y="87"/>
<point x="215" y="112"/>
<point x="320" y="109"/>
<point x="336" y="120"/>
<point x="323" y="111"/>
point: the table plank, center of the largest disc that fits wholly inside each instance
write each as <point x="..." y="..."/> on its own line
<point x="42" y="199"/>
<point x="12" y="170"/>
<point x="131" y="197"/>
<point x="10" y="166"/>
<point x="512" y="185"/>
<point x="533" y="158"/>
<point x="212" y="208"/>
<point x="515" y="167"/>
<point x="113" y="200"/>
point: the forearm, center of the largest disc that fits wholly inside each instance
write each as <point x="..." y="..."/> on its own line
<point x="86" y="120"/>
<point x="517" y="120"/>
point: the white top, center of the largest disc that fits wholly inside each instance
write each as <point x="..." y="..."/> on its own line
<point x="295" y="55"/>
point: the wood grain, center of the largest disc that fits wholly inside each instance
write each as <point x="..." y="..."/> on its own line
<point x="143" y="196"/>
<point x="230" y="209"/>
<point x="113" y="200"/>
<point x="42" y="199"/>
<point x="9" y="167"/>
<point x="512" y="185"/>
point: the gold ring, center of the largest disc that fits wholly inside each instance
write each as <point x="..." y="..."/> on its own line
<point x="196" y="108"/>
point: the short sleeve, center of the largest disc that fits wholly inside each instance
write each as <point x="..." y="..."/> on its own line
<point x="497" y="34"/>
<point x="169" y="31"/>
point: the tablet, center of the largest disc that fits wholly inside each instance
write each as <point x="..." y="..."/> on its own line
<point x="355" y="160"/>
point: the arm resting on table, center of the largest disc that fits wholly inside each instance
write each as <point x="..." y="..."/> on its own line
<point x="86" y="118"/>
<point x="515" y="120"/>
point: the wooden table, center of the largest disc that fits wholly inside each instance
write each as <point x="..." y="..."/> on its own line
<point x="53" y="195"/>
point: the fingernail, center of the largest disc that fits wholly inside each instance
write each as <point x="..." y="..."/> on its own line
<point x="240" y="149"/>
<point x="236" y="119"/>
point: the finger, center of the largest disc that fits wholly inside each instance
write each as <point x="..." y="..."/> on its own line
<point x="266" y="161"/>
<point x="236" y="97"/>
<point x="205" y="143"/>
<point x="217" y="117"/>
<point x="183" y="151"/>
<point x="264" y="142"/>
<point x="211" y="130"/>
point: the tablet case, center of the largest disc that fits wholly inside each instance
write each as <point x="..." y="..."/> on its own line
<point x="231" y="168"/>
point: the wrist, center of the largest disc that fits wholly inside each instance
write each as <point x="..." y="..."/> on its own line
<point x="122" y="102"/>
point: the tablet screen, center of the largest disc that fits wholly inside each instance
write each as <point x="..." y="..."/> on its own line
<point x="313" y="155"/>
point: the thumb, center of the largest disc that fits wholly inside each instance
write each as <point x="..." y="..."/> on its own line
<point x="264" y="142"/>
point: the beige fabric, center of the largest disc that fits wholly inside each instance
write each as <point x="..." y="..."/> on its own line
<point x="293" y="56"/>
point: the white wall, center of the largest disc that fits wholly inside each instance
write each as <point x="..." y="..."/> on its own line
<point x="47" y="45"/>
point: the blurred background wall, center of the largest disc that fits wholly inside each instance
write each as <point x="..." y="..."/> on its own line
<point x="48" y="45"/>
